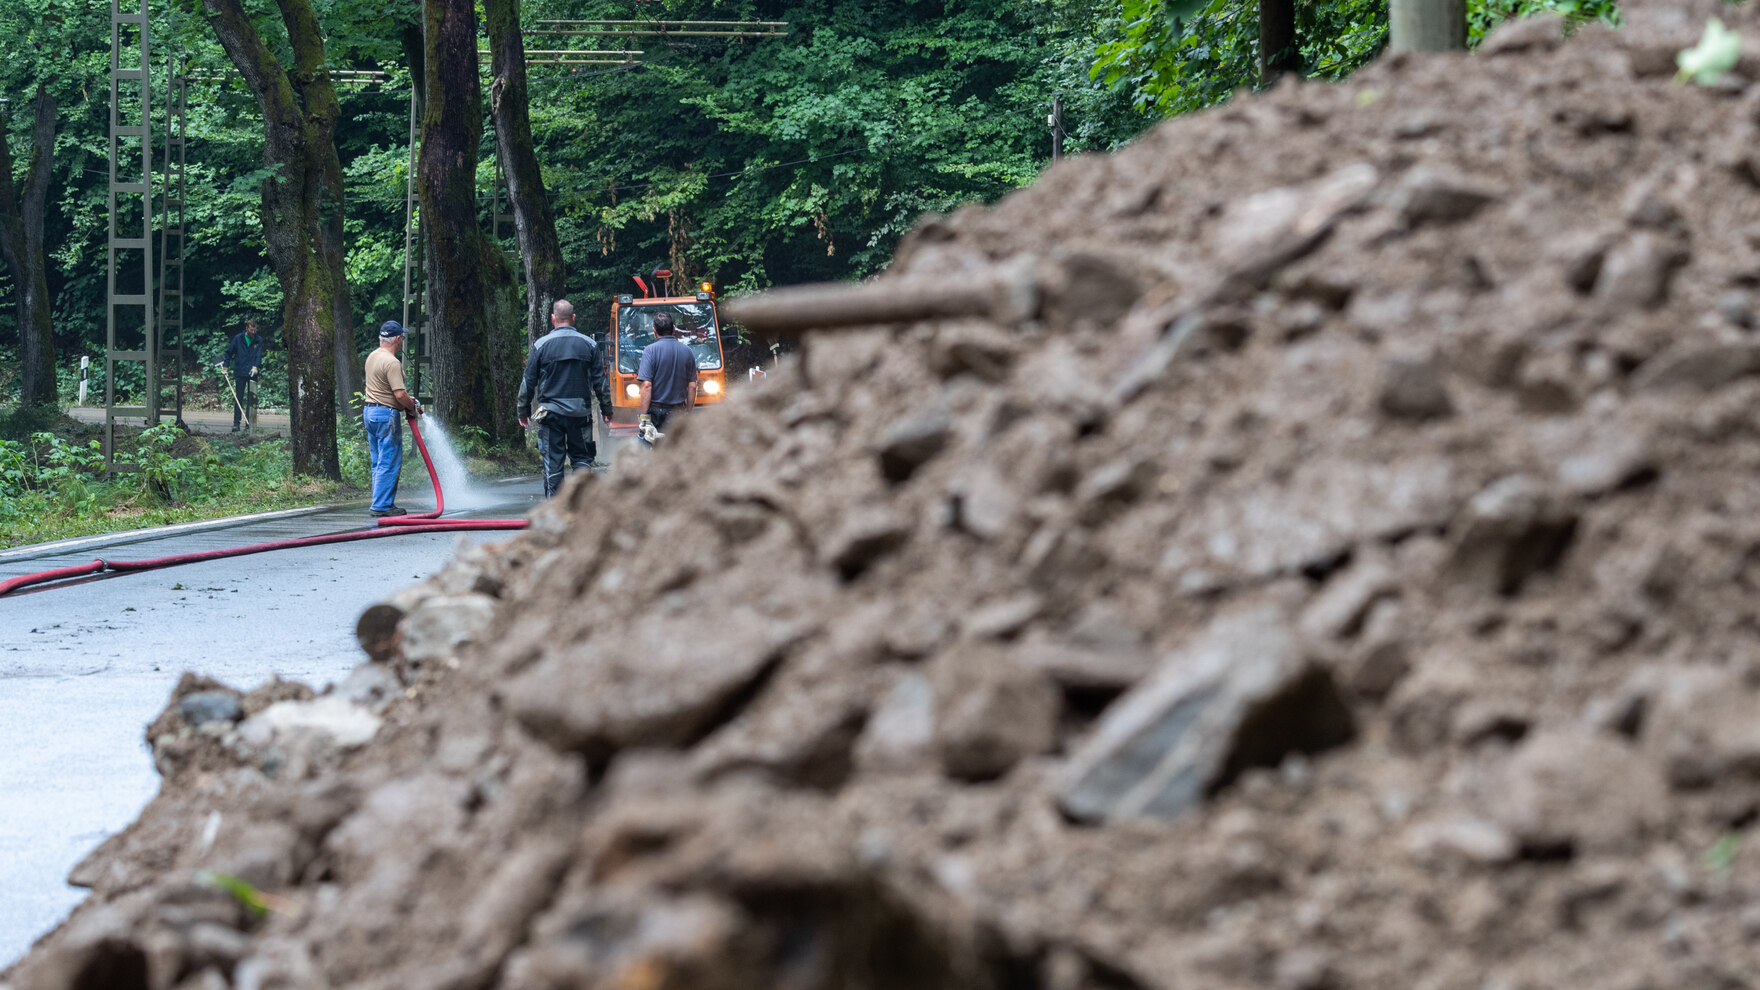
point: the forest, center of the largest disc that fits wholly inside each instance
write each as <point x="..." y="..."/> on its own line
<point x="746" y="161"/>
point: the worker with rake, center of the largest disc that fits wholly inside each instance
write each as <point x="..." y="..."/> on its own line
<point x="245" y="356"/>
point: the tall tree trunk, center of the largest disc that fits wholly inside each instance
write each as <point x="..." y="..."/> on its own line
<point x="349" y="365"/>
<point x="302" y="213"/>
<point x="478" y="335"/>
<point x="1427" y="25"/>
<point x="21" y="247"/>
<point x="510" y="105"/>
<point x="1278" y="52"/>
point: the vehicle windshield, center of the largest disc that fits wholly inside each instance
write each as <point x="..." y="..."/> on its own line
<point x="696" y="326"/>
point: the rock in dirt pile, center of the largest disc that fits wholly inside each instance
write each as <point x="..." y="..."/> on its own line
<point x="1322" y="555"/>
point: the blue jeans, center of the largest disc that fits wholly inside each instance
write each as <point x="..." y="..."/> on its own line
<point x="385" y="449"/>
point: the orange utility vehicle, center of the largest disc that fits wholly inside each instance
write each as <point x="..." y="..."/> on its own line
<point x="632" y="330"/>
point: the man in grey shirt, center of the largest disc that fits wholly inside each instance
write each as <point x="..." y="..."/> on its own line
<point x="668" y="374"/>
<point x="564" y="373"/>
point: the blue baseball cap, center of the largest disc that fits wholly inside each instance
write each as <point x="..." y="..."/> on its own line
<point x="390" y="328"/>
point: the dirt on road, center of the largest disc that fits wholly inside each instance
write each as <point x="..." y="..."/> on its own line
<point x="1328" y="563"/>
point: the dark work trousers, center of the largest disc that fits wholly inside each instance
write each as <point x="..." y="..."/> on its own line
<point x="660" y="413"/>
<point x="564" y="437"/>
<point x="241" y="378"/>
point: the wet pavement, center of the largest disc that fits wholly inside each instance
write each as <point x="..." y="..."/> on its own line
<point x="84" y="668"/>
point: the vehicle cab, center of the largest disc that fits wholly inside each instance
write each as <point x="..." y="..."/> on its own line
<point x="632" y="330"/>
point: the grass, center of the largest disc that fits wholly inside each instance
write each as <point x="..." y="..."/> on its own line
<point x="53" y="485"/>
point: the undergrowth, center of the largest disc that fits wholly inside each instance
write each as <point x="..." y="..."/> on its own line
<point x="53" y="482"/>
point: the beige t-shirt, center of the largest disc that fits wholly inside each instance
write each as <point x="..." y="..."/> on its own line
<point x="384" y="376"/>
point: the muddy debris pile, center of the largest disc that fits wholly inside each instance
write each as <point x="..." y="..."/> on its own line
<point x="1315" y="547"/>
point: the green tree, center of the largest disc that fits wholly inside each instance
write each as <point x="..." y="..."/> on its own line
<point x="302" y="213"/>
<point x="534" y="219"/>
<point x="1171" y="56"/>
<point x="21" y="247"/>
<point x="51" y="56"/>
<point x="473" y="301"/>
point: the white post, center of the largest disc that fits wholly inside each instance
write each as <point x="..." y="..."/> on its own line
<point x="85" y="365"/>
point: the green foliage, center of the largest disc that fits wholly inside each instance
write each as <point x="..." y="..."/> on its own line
<point x="256" y="901"/>
<point x="1723" y="853"/>
<point x="351" y="448"/>
<point x="806" y="157"/>
<point x="1178" y="55"/>
<point x="54" y="484"/>
<point x="1483" y="15"/>
<point x="750" y="162"/>
<point x="1173" y="56"/>
<point x="1714" y="56"/>
<point x="20" y="423"/>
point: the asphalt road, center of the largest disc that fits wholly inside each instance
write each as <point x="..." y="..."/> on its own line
<point x="84" y="668"/>
<point x="198" y="420"/>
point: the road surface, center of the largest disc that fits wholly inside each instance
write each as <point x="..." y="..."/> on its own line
<point x="83" y="669"/>
<point x="198" y="420"/>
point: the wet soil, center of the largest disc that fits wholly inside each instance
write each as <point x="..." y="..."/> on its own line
<point x="1328" y="562"/>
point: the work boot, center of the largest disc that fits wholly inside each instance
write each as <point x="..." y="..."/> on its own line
<point x="393" y="511"/>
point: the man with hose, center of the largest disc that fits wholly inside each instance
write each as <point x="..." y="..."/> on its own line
<point x="387" y="400"/>
<point x="564" y="373"/>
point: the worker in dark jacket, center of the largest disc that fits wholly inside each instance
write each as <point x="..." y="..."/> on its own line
<point x="564" y="373"/>
<point x="245" y="355"/>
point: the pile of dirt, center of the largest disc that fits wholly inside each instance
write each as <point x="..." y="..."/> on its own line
<point x="1321" y="557"/>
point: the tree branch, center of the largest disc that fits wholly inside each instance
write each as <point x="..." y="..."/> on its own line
<point x="262" y="71"/>
<point x="36" y="182"/>
<point x="310" y="74"/>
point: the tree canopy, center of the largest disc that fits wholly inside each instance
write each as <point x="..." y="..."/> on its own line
<point x="749" y="162"/>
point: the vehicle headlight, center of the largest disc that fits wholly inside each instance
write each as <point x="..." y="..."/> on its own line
<point x="711" y="387"/>
<point x="633" y="390"/>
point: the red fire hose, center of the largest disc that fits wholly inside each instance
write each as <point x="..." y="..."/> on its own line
<point x="424" y="522"/>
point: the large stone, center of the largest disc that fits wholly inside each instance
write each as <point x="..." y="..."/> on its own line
<point x="1412" y="388"/>
<point x="1462" y="837"/>
<point x="1639" y="272"/>
<point x="863" y="539"/>
<point x="913" y="442"/>
<point x="658" y="682"/>
<point x="801" y="730"/>
<point x="1508" y="532"/>
<point x="901" y="734"/>
<point x="1339" y="610"/>
<point x="330" y="722"/>
<point x="371" y="685"/>
<point x="985" y="503"/>
<point x="1085" y="666"/>
<point x="1576" y="791"/>
<point x="1698" y="366"/>
<point x="1325" y="508"/>
<point x="990" y="711"/>
<point x="1241" y="695"/>
<point x="1703" y="725"/>
<point x="202" y="707"/>
<point x="1434" y="195"/>
<point x="438" y="627"/>
<point x="1263" y="233"/>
